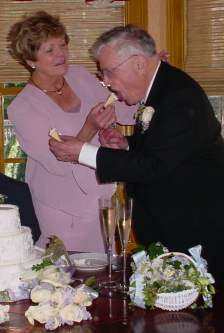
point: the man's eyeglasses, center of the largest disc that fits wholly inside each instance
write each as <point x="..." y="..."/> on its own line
<point x="110" y="72"/>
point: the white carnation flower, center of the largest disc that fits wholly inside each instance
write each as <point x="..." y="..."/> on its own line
<point x="169" y="272"/>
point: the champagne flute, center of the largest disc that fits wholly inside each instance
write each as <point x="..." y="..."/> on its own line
<point x="108" y="219"/>
<point x="124" y="216"/>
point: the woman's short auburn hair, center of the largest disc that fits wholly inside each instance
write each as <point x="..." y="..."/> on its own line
<point x="26" y="36"/>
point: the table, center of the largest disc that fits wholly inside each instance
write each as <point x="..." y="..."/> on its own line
<point x="114" y="315"/>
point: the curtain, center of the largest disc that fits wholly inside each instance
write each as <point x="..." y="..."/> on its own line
<point x="84" y="23"/>
<point x="204" y="58"/>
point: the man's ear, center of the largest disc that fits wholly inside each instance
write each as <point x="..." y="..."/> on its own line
<point x="140" y="63"/>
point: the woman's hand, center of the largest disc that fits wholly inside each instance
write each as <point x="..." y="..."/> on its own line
<point x="98" y="118"/>
<point x="112" y="138"/>
<point x="67" y="150"/>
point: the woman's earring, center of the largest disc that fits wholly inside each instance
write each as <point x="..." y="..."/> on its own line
<point x="33" y="66"/>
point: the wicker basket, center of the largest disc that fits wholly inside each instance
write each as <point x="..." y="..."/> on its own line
<point x="178" y="300"/>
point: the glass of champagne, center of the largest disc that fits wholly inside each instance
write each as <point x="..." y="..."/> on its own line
<point x="107" y="206"/>
<point x="124" y="217"/>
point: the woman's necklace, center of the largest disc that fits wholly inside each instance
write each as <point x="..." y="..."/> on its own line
<point x="57" y="91"/>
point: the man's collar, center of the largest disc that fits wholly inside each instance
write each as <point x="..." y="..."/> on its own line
<point x="150" y="84"/>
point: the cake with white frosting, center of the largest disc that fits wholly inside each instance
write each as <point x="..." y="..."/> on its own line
<point x="17" y="252"/>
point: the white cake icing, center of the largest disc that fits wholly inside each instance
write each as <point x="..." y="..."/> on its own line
<point x="16" y="250"/>
<point x="9" y="219"/>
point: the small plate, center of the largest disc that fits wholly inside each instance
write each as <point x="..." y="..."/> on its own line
<point x="89" y="261"/>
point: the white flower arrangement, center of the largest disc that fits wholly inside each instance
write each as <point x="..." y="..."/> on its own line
<point x="4" y="313"/>
<point x="143" y="116"/>
<point x="170" y="281"/>
<point x="57" y="302"/>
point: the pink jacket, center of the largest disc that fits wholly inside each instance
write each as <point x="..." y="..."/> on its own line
<point x="66" y="187"/>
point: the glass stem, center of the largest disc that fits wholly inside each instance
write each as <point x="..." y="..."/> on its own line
<point x="124" y="267"/>
<point x="110" y="260"/>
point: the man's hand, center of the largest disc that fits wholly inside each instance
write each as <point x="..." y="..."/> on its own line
<point x="112" y="138"/>
<point x="67" y="150"/>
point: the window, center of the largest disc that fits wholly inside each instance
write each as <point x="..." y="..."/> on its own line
<point x="12" y="158"/>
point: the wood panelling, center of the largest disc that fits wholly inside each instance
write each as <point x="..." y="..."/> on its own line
<point x="176" y="31"/>
<point x="136" y="12"/>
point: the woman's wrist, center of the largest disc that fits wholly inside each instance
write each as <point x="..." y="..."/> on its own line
<point x="87" y="133"/>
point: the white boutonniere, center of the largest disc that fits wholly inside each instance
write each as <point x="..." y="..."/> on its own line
<point x="143" y="116"/>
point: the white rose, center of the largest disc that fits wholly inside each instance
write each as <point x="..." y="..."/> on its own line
<point x="53" y="323"/>
<point x="58" y="296"/>
<point x="71" y="312"/>
<point x="49" y="272"/>
<point x="40" y="313"/>
<point x="53" y="275"/>
<point x="74" y="312"/>
<point x="40" y="295"/>
<point x="147" y="114"/>
<point x="82" y="298"/>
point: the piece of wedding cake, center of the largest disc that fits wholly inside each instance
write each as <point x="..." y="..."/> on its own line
<point x="17" y="252"/>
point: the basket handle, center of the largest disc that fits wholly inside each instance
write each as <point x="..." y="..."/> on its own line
<point x="180" y="254"/>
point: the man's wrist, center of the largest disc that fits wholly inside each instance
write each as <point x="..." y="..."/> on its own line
<point x="87" y="155"/>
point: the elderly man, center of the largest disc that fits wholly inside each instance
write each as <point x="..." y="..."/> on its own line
<point x="174" y="164"/>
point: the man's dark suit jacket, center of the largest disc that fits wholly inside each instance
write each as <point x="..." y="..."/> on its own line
<point x="18" y="194"/>
<point x="175" y="170"/>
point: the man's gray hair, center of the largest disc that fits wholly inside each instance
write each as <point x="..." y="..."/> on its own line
<point x="128" y="40"/>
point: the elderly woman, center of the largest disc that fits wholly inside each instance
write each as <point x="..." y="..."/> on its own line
<point x="65" y="195"/>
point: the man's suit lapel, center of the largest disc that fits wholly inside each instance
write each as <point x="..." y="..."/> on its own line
<point x="158" y="86"/>
<point x="155" y="96"/>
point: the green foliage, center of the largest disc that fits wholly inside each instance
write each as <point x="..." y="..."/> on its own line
<point x="56" y="249"/>
<point x="150" y="292"/>
<point x="90" y="282"/>
<point x="154" y="250"/>
<point x="43" y="264"/>
<point x="4" y="296"/>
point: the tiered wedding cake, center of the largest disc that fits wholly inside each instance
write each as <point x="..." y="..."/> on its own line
<point x="16" y="252"/>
